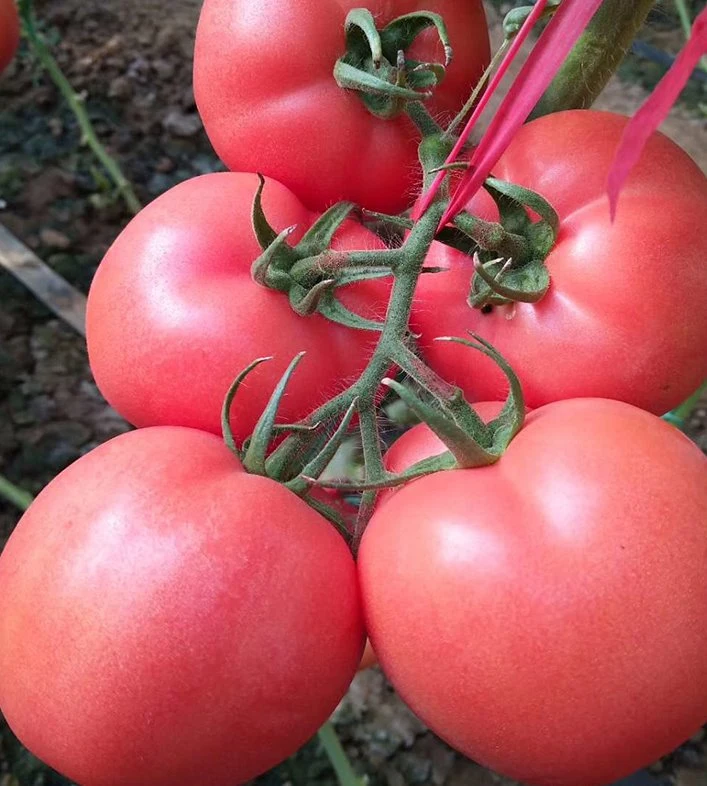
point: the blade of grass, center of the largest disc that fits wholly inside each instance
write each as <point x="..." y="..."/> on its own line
<point x="686" y="22"/>
<point x="18" y="497"/>
<point x="42" y="52"/>
<point x="337" y="756"/>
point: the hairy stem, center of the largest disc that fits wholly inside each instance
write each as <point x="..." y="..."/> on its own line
<point x="595" y="57"/>
<point x="450" y="131"/>
<point x="394" y="334"/>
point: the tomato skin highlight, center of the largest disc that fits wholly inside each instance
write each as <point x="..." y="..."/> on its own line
<point x="174" y="315"/>
<point x="557" y="596"/>
<point x="624" y="317"/>
<point x="264" y="86"/>
<point x="413" y="446"/>
<point x="9" y="32"/>
<point x="166" y="617"/>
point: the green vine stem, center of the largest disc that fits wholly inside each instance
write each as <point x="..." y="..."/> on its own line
<point x="596" y="56"/>
<point x="45" y="57"/>
<point x="450" y="131"/>
<point x="337" y="756"/>
<point x="18" y="497"/>
<point x="406" y="271"/>
<point x="680" y="415"/>
<point x="686" y="23"/>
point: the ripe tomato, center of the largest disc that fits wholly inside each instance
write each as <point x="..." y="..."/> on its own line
<point x="167" y="618"/>
<point x="348" y="512"/>
<point x="9" y="32"/>
<point x="624" y="317"/>
<point x="546" y="615"/>
<point x="264" y="87"/>
<point x="173" y="314"/>
<point x="413" y="446"/>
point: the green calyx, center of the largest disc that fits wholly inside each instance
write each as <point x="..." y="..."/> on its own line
<point x="376" y="66"/>
<point x="253" y="453"/>
<point x="470" y="442"/>
<point x="509" y="255"/>
<point x="516" y="17"/>
<point x="298" y="454"/>
<point x="310" y="272"/>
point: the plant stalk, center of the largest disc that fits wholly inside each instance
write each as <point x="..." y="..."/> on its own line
<point x="686" y="23"/>
<point x="337" y="756"/>
<point x="680" y="415"/>
<point x="410" y="261"/>
<point x="18" y="497"/>
<point x="450" y="131"/>
<point x="88" y="133"/>
<point x="595" y="57"/>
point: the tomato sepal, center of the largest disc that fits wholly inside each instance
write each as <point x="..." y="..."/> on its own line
<point x="301" y="483"/>
<point x="335" y="311"/>
<point x="509" y="261"/>
<point x="226" y="429"/>
<point x="497" y="283"/>
<point x="512" y="201"/>
<point x="468" y="450"/>
<point x="511" y="418"/>
<point x="259" y="442"/>
<point x="310" y="271"/>
<point x="319" y="236"/>
<point x="470" y="442"/>
<point x="374" y="64"/>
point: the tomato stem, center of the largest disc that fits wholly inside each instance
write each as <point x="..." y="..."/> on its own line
<point x="680" y="415"/>
<point x="450" y="131"/>
<point x="595" y="57"/>
<point x="426" y="124"/>
<point x="394" y="334"/>
<point x="14" y="494"/>
<point x="299" y="459"/>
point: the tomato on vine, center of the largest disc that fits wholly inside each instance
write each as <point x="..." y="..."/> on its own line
<point x="167" y="617"/>
<point x="415" y="445"/>
<point x="624" y="314"/>
<point x="174" y="314"/>
<point x="545" y="615"/>
<point x="173" y="608"/>
<point x="266" y="92"/>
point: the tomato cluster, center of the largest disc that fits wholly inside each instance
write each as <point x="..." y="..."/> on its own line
<point x="177" y="607"/>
